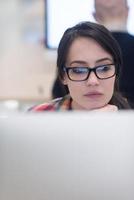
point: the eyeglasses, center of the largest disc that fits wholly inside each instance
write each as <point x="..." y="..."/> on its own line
<point x="82" y="73"/>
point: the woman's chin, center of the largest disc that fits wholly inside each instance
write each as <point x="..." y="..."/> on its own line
<point x="94" y="107"/>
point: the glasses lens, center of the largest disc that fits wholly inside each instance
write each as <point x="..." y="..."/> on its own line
<point x="105" y="71"/>
<point x="78" y="73"/>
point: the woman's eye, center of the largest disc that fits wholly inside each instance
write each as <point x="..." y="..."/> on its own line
<point x="104" y="68"/>
<point x="79" y="70"/>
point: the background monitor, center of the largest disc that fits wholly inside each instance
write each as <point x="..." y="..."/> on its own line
<point x="61" y="14"/>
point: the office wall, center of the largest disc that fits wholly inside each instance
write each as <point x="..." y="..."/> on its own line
<point x="27" y="69"/>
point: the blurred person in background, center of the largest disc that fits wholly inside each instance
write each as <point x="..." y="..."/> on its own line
<point x="113" y="14"/>
<point x="88" y="63"/>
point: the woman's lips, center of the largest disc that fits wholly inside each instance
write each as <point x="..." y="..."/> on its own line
<point x="93" y="95"/>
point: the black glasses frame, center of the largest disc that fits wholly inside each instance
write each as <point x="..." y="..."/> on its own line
<point x="66" y="69"/>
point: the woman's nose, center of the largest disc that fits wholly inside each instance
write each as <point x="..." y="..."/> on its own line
<point x="92" y="79"/>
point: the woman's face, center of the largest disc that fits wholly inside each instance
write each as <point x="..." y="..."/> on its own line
<point x="92" y="93"/>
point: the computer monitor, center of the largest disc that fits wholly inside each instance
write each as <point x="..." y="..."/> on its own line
<point x="70" y="156"/>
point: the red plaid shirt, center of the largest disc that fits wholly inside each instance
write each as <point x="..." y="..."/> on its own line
<point x="62" y="103"/>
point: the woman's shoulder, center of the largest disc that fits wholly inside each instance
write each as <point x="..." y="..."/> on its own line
<point x="47" y="106"/>
<point x="61" y="103"/>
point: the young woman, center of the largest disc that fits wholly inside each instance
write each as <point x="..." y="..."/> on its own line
<point x="89" y="62"/>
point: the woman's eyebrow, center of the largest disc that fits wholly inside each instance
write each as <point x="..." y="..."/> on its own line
<point x="78" y="62"/>
<point x="104" y="59"/>
<point x="82" y="62"/>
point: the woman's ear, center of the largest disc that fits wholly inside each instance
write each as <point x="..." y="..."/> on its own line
<point x="64" y="81"/>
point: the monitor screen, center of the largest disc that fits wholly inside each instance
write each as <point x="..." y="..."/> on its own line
<point x="61" y="14"/>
